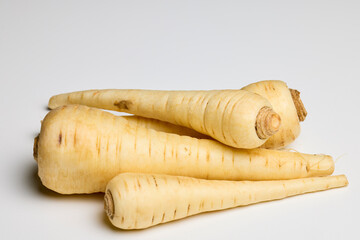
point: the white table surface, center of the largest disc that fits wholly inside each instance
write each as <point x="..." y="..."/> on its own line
<point x="51" y="47"/>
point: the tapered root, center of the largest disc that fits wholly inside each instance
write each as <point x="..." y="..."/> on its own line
<point x="300" y="108"/>
<point x="177" y="197"/>
<point x="267" y="123"/>
<point x="109" y="204"/>
<point x="35" y="148"/>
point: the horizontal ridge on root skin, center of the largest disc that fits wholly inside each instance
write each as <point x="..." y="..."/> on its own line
<point x="95" y="146"/>
<point x="144" y="204"/>
<point x="229" y="116"/>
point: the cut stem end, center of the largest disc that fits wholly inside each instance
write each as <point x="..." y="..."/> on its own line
<point x="299" y="105"/>
<point x="267" y="123"/>
<point x="35" y="148"/>
<point x="109" y="204"/>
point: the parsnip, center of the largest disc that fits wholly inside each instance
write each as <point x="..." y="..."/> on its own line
<point x="287" y="103"/>
<point x="163" y="126"/>
<point x="136" y="201"/>
<point x="236" y="118"/>
<point x="80" y="149"/>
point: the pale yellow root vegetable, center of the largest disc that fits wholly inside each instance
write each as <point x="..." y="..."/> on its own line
<point x="236" y="118"/>
<point x="80" y="149"/>
<point x="137" y="201"/>
<point x="287" y="103"/>
<point x="157" y="125"/>
<point x="163" y="126"/>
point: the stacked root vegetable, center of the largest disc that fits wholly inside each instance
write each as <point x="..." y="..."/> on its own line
<point x="185" y="152"/>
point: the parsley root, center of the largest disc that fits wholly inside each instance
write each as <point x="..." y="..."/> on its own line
<point x="136" y="201"/>
<point x="236" y="118"/>
<point x="80" y="149"/>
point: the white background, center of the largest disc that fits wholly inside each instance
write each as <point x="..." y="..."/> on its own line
<point x="51" y="47"/>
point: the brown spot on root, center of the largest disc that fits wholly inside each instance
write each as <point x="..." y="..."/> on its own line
<point x="201" y="206"/>
<point x="164" y="157"/>
<point x="109" y="204"/>
<point x="155" y="181"/>
<point x="74" y="138"/>
<point x="36" y="147"/>
<point x="182" y="100"/>
<point x="267" y="123"/>
<point x="126" y="186"/>
<point x="138" y="183"/>
<point x="123" y="104"/>
<point x="150" y="147"/>
<point x="208" y="156"/>
<point x="213" y="132"/>
<point x="98" y="143"/>
<point x="188" y="209"/>
<point x="299" y="105"/>
<point x="60" y="138"/>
